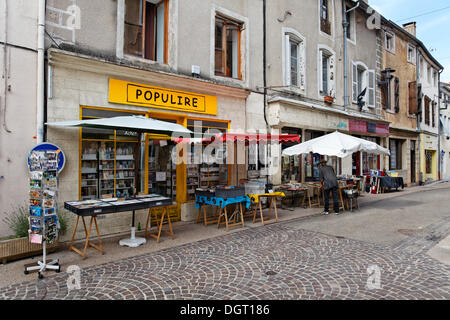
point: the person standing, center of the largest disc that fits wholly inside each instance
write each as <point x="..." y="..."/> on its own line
<point x="329" y="182"/>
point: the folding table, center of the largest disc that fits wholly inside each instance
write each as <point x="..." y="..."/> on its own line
<point x="255" y="198"/>
<point x="93" y="208"/>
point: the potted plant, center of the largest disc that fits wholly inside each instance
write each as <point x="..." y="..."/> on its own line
<point x="19" y="246"/>
<point x="328" y="99"/>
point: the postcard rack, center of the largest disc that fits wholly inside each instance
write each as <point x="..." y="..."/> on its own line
<point x="43" y="219"/>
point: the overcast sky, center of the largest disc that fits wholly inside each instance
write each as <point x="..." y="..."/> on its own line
<point x="433" y="24"/>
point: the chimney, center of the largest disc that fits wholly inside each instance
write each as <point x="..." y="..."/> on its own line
<point x="410" y="27"/>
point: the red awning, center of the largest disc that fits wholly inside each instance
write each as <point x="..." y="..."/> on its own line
<point x="244" y="137"/>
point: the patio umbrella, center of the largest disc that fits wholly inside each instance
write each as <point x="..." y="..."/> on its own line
<point x="336" y="144"/>
<point x="140" y="124"/>
<point x="134" y="123"/>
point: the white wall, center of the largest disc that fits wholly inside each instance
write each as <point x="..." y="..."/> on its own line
<point x="18" y="85"/>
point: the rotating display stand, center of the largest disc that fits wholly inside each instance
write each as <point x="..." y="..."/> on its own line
<point x="43" y="219"/>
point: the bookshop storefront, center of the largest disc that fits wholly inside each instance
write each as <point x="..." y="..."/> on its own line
<point x="103" y="163"/>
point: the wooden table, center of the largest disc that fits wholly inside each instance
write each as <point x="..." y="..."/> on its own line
<point x="255" y="198"/>
<point x="93" y="208"/>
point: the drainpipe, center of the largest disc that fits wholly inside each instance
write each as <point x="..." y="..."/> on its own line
<point x="40" y="73"/>
<point x="419" y="116"/>
<point x="265" y="86"/>
<point x="346" y="24"/>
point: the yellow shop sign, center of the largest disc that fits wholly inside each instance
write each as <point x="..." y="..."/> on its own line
<point x="124" y="92"/>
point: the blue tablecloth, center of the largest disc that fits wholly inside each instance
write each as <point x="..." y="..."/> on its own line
<point x="222" y="202"/>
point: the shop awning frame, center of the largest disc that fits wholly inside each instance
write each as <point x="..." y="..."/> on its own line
<point x="248" y="138"/>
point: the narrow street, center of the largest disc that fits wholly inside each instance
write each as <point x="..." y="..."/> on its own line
<point x="402" y="238"/>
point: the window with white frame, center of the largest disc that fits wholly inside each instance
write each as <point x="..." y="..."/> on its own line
<point x="294" y="58"/>
<point x="411" y="54"/>
<point x="326" y="73"/>
<point x="435" y="78"/>
<point x="363" y="79"/>
<point x="389" y="41"/>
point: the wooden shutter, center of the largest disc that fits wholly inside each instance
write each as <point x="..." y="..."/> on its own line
<point x="433" y="114"/>
<point x="412" y="97"/>
<point x="383" y="87"/>
<point x="149" y="27"/>
<point x="397" y="94"/>
<point x="287" y="49"/>
<point x="321" y="71"/>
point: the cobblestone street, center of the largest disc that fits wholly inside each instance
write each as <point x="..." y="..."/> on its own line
<point x="278" y="261"/>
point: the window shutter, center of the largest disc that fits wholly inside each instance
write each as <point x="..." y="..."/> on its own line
<point x="287" y="67"/>
<point x="371" y="86"/>
<point x="412" y="97"/>
<point x="320" y="71"/>
<point x="397" y="94"/>
<point x="355" y="84"/>
<point x="433" y="114"/>
<point x="331" y="77"/>
<point x="384" y="92"/>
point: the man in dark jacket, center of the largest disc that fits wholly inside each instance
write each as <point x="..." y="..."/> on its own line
<point x="329" y="182"/>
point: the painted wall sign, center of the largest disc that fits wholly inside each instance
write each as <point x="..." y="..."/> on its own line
<point x="46" y="146"/>
<point x="125" y="92"/>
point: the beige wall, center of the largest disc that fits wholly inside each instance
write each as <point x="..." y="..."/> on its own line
<point x="82" y="82"/>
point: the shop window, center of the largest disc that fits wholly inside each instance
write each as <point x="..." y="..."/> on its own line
<point x="326" y="73"/>
<point x="312" y="160"/>
<point x="291" y="169"/>
<point x="145" y="30"/>
<point x="109" y="159"/>
<point x="395" y="147"/>
<point x="162" y="171"/>
<point x="363" y="79"/>
<point x="110" y="167"/>
<point x="325" y="21"/>
<point x="227" y="47"/>
<point x="370" y="161"/>
<point x="206" y="166"/>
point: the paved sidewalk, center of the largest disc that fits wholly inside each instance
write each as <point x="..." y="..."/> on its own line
<point x="277" y="261"/>
<point x="271" y="262"/>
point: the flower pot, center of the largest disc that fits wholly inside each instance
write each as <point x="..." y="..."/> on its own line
<point x="328" y="99"/>
<point x="18" y="248"/>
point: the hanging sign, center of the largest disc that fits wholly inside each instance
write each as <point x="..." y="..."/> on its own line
<point x="46" y="146"/>
<point x="125" y="92"/>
